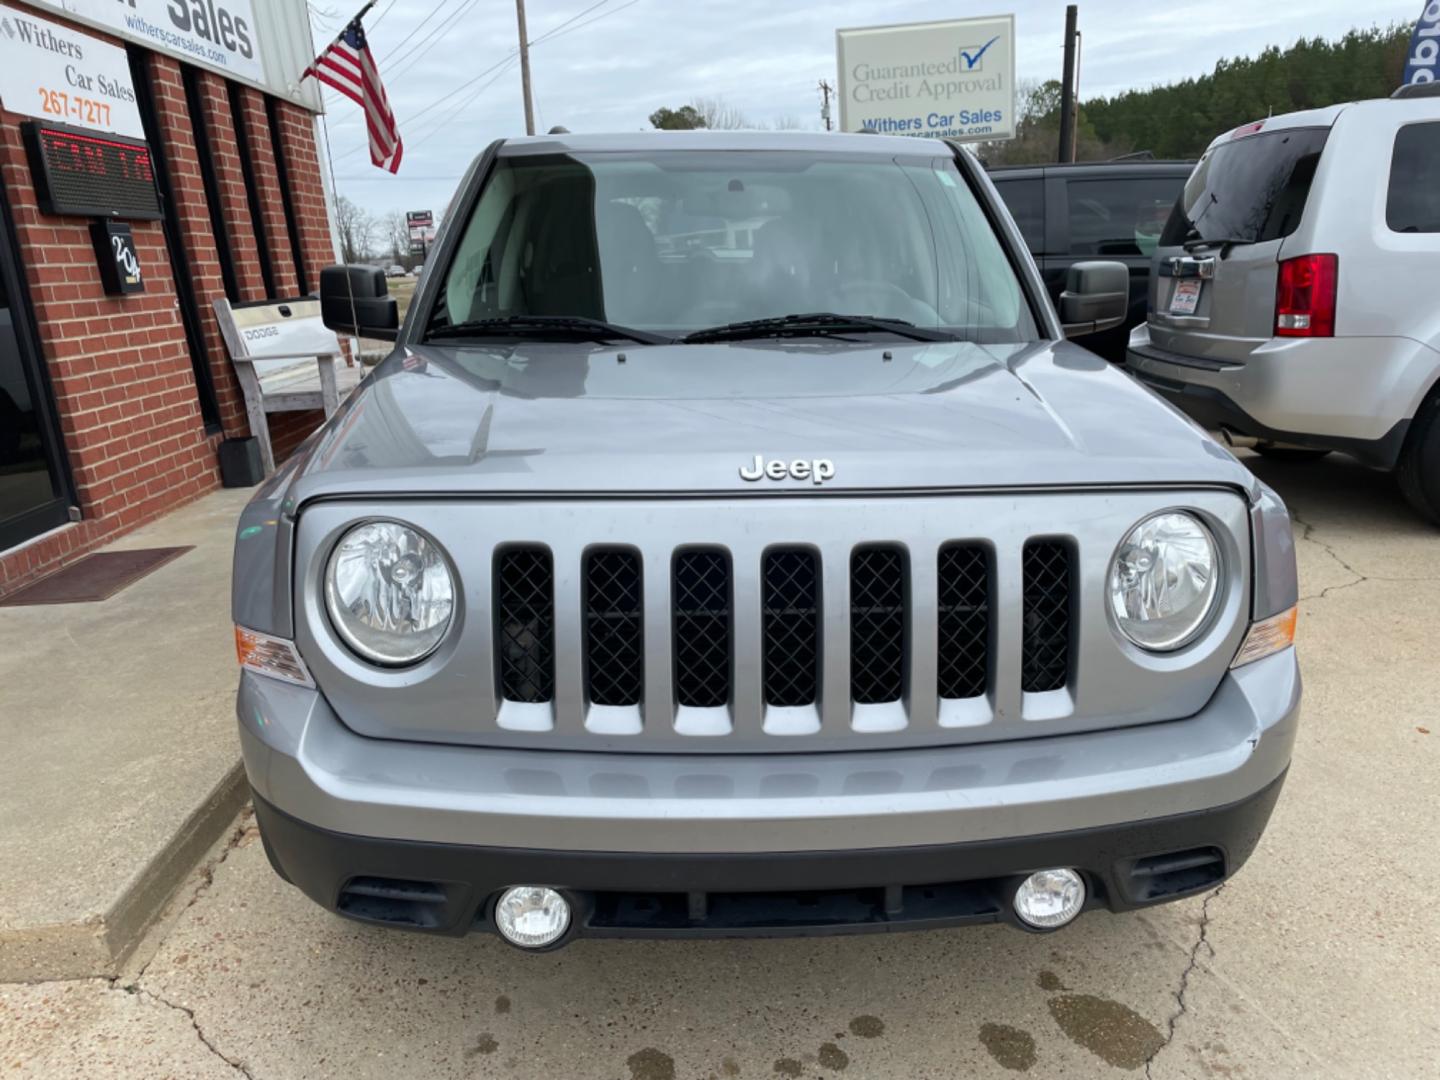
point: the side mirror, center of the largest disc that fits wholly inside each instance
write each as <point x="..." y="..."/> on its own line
<point x="356" y="300"/>
<point x="1096" y="297"/>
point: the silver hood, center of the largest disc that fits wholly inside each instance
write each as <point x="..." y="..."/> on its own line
<point x="596" y="420"/>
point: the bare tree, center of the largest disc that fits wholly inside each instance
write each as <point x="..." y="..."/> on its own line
<point x="397" y="235"/>
<point x="357" y="230"/>
<point x="719" y="116"/>
<point x="788" y="122"/>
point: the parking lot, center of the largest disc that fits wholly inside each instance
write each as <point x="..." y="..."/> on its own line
<point x="1319" y="959"/>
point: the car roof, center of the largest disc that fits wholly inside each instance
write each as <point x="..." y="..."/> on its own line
<point x="807" y="142"/>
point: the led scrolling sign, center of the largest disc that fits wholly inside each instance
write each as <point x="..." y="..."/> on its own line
<point x="89" y="175"/>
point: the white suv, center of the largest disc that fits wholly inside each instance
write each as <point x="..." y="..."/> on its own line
<point x="1293" y="303"/>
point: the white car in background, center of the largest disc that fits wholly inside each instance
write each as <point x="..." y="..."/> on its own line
<point x="1293" y="299"/>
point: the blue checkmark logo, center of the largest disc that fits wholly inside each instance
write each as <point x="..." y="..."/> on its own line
<point x="972" y="60"/>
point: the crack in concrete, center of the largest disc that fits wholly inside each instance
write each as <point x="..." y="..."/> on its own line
<point x="1309" y="536"/>
<point x="206" y="873"/>
<point x="238" y="1066"/>
<point x="1202" y="940"/>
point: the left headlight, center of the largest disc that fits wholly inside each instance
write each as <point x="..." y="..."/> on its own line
<point x="1164" y="581"/>
<point x="390" y="593"/>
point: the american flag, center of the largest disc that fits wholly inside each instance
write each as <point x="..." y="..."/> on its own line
<point x="348" y="67"/>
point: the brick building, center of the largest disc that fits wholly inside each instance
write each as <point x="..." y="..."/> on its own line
<point x="112" y="406"/>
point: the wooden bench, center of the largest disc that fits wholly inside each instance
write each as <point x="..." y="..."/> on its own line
<point x="285" y="359"/>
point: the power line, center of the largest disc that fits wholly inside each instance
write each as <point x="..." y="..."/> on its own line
<point x="401" y="43"/>
<point x="440" y="125"/>
<point x="553" y="32"/>
<point x="417" y="51"/>
<point x="382" y="14"/>
<point x="499" y="68"/>
<point x="578" y="15"/>
<point x="563" y="28"/>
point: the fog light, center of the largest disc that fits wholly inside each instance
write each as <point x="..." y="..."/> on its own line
<point x="1050" y="898"/>
<point x="532" y="916"/>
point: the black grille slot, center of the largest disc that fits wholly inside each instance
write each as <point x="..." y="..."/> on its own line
<point x="525" y="623"/>
<point x="791" y="611"/>
<point x="393" y="901"/>
<point x="614" y="669"/>
<point x="964" y="621"/>
<point x="877" y="625"/>
<point x="1046" y="658"/>
<point x="701" y="592"/>
<point x="1176" y="873"/>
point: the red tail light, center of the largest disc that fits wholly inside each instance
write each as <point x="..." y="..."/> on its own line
<point x="1305" y="296"/>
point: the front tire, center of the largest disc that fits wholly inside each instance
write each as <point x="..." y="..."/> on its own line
<point x="1419" y="471"/>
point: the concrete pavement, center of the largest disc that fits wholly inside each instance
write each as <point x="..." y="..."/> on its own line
<point x="120" y="763"/>
<point x="1321" y="959"/>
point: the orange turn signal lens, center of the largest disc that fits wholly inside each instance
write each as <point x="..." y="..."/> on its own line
<point x="272" y="656"/>
<point x="1266" y="637"/>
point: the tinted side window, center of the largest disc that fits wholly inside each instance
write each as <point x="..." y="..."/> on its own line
<point x="1124" y="216"/>
<point x="1026" y="200"/>
<point x="1249" y="189"/>
<point x="1413" y="204"/>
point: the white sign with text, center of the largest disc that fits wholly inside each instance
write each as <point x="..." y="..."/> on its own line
<point x="939" y="80"/>
<point x="60" y="74"/>
<point x="219" y="33"/>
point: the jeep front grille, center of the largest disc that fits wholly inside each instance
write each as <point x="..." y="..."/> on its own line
<point x="791" y="612"/>
<point x="525" y="623"/>
<point x="877" y="625"/>
<point x="963" y="616"/>
<point x="614" y="649"/>
<point x="1047" y="616"/>
<point x="792" y="637"/>
<point x="702" y="628"/>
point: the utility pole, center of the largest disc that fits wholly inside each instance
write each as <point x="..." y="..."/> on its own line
<point x="1067" y="87"/>
<point x="525" y="68"/>
<point x="825" y="91"/>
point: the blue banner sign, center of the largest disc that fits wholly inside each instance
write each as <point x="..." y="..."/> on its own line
<point x="1423" y="61"/>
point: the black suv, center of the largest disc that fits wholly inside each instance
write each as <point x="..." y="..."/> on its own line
<point x="1098" y="210"/>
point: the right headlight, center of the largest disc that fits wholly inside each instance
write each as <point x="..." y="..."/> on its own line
<point x="390" y="593"/>
<point x="1164" y="581"/>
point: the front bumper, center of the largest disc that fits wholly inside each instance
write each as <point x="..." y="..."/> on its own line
<point x="334" y="806"/>
<point x="452" y="888"/>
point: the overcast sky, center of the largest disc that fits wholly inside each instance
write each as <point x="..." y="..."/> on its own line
<point x="609" y="69"/>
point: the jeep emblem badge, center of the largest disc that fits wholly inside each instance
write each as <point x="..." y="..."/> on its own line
<point x="817" y="471"/>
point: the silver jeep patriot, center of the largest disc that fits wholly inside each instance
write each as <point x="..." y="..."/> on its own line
<point x="733" y="544"/>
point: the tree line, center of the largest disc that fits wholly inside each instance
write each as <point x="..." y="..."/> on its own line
<point x="365" y="236"/>
<point x="1179" y="119"/>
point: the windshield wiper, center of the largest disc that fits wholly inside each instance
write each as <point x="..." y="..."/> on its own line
<point x="1219" y="241"/>
<point x="818" y="323"/>
<point x="540" y="325"/>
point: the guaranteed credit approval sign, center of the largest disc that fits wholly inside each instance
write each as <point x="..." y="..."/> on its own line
<point x="941" y="80"/>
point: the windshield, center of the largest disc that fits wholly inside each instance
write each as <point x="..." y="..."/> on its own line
<point x="674" y="242"/>
<point x="1248" y="189"/>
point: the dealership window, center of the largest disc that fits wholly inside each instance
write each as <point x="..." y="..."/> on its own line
<point x="35" y="484"/>
<point x="1123" y="216"/>
<point x="1413" y="202"/>
<point x="1026" y="200"/>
